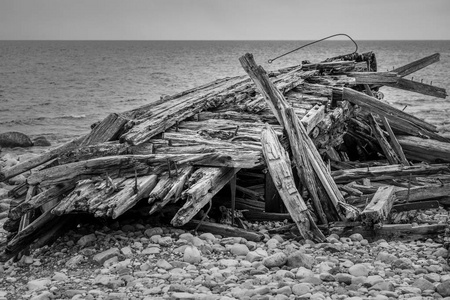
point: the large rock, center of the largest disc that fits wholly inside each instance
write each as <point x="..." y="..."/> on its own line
<point x="298" y="259"/>
<point x="15" y="139"/>
<point x="444" y="288"/>
<point x="275" y="260"/>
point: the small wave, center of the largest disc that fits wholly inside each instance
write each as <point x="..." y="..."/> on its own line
<point x="73" y="117"/>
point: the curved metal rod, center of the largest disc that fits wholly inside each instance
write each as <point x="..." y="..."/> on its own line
<point x="328" y="37"/>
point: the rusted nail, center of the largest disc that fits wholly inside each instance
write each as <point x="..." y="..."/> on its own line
<point x="236" y="130"/>
<point x="135" y="181"/>
<point x="168" y="166"/>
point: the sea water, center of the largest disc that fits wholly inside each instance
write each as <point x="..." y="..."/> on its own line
<point x="57" y="89"/>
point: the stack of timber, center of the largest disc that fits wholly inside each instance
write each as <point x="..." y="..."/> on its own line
<point x="314" y="144"/>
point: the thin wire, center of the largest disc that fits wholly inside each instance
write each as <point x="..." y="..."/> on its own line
<point x="328" y="37"/>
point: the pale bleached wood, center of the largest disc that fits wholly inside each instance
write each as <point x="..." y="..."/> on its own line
<point x="278" y="104"/>
<point x="382" y="108"/>
<point x="168" y="190"/>
<point x="130" y="195"/>
<point x="388" y="172"/>
<point x="201" y="193"/>
<point x="313" y="117"/>
<point x="373" y="77"/>
<point x="388" y="151"/>
<point x="380" y="206"/>
<point x="128" y="165"/>
<point x="29" y="232"/>
<point x="93" y="151"/>
<point x="53" y="193"/>
<point x="39" y="160"/>
<point x="279" y="166"/>
<point x="225" y="230"/>
<point x="107" y="130"/>
<point x="417" y="65"/>
<point x="426" y="150"/>
<point x="418" y="87"/>
<point x="394" y="141"/>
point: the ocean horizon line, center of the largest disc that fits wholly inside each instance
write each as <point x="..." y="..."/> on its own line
<point x="209" y="40"/>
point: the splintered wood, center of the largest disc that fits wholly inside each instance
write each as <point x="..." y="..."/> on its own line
<point x="313" y="144"/>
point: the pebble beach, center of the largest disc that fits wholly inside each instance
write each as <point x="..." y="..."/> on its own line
<point x="135" y="260"/>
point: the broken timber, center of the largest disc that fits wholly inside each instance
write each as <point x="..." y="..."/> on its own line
<point x="183" y="149"/>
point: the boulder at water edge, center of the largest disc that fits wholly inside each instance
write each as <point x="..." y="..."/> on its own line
<point x="15" y="139"/>
<point x="41" y="141"/>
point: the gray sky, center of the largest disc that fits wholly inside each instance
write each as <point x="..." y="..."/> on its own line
<point x="223" y="19"/>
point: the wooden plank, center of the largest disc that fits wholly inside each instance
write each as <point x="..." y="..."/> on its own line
<point x="395" y="232"/>
<point x="388" y="172"/>
<point x="313" y="117"/>
<point x="380" y="206"/>
<point x="39" y="160"/>
<point x="418" y="87"/>
<point x="225" y="230"/>
<point x="279" y="166"/>
<point x="36" y="201"/>
<point x="127" y="165"/>
<point x="426" y="150"/>
<point x="379" y="107"/>
<point x="415" y="205"/>
<point x="394" y="142"/>
<point x="130" y="195"/>
<point x="374" y="77"/>
<point x="292" y="125"/>
<point x="202" y="192"/>
<point x="390" y="154"/>
<point x="169" y="189"/>
<point x="417" y="65"/>
<point x="107" y="130"/>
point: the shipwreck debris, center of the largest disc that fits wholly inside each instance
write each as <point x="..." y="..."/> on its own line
<point x="312" y="144"/>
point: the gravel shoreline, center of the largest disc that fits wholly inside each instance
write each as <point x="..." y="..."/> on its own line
<point x="136" y="261"/>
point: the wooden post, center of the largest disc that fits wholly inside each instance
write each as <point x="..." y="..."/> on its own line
<point x="279" y="166"/>
<point x="382" y="141"/>
<point x="394" y="142"/>
<point x="378" y="209"/>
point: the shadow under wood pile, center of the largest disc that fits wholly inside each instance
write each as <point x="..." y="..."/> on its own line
<point x="312" y="143"/>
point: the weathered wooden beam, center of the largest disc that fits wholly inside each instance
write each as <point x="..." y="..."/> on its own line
<point x="39" y="160"/>
<point x="395" y="232"/>
<point x="426" y="150"/>
<point x="34" y="202"/>
<point x="417" y="65"/>
<point x="93" y="151"/>
<point x="388" y="172"/>
<point x="279" y="166"/>
<point x="226" y="230"/>
<point x="108" y="129"/>
<point x="418" y="87"/>
<point x="127" y="165"/>
<point x="313" y="117"/>
<point x="202" y="192"/>
<point x="379" y="107"/>
<point x="374" y="77"/>
<point x="388" y="151"/>
<point x="297" y="136"/>
<point x="29" y="232"/>
<point x="169" y="189"/>
<point x="130" y="195"/>
<point x="380" y="206"/>
<point x="394" y="141"/>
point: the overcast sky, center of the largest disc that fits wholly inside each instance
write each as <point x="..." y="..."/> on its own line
<point x="223" y="19"/>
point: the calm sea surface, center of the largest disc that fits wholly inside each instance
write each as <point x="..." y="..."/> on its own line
<point x="58" y="88"/>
